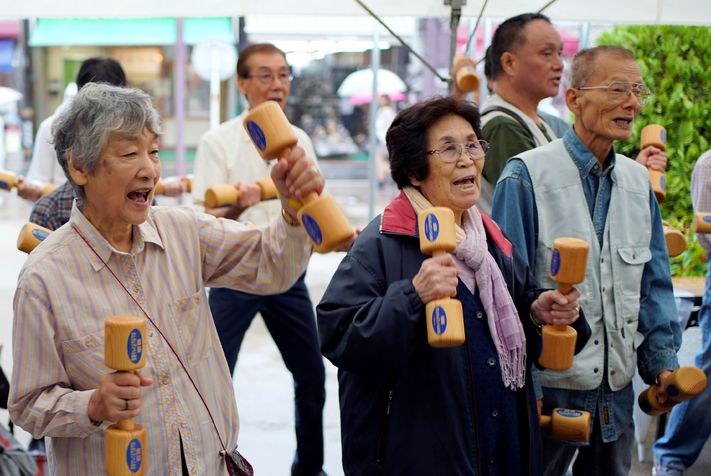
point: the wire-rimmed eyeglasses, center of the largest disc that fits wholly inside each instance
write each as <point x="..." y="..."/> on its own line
<point x="450" y="153"/>
<point x="269" y="78"/>
<point x="620" y="91"/>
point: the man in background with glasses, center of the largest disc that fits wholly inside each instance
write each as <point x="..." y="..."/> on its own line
<point x="227" y="155"/>
<point x="578" y="186"/>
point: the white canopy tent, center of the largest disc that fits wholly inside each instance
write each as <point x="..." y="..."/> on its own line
<point x="689" y="12"/>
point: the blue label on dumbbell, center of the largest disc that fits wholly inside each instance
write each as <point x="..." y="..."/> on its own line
<point x="431" y="227"/>
<point x="40" y="234"/>
<point x="555" y="262"/>
<point x="439" y="320"/>
<point x="312" y="228"/>
<point x="567" y="413"/>
<point x="257" y="135"/>
<point x="663" y="136"/>
<point x="663" y="183"/>
<point x="672" y="390"/>
<point x="134" y="346"/>
<point x="5" y="185"/>
<point x="134" y="455"/>
<point x="706" y="218"/>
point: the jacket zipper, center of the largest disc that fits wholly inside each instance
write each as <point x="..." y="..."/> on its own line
<point x="383" y="429"/>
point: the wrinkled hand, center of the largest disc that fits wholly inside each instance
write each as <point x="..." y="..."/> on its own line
<point x="295" y="175"/>
<point x="552" y="307"/>
<point x="661" y="388"/>
<point x="653" y="158"/>
<point x="28" y="190"/>
<point x="436" y="279"/>
<point x="173" y="188"/>
<point x="108" y="402"/>
<point x="249" y="194"/>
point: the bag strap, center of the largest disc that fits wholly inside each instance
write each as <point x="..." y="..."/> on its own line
<point x="232" y="467"/>
<point x="513" y="116"/>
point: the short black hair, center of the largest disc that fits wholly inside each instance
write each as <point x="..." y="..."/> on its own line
<point x="407" y="136"/>
<point x="101" y="70"/>
<point x="509" y="36"/>
<point x="253" y="49"/>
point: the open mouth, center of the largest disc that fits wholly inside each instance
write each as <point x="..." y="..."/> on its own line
<point x="466" y="181"/>
<point x="623" y="122"/>
<point x="139" y="196"/>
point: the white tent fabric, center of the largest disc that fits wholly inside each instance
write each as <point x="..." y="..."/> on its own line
<point x="690" y="12"/>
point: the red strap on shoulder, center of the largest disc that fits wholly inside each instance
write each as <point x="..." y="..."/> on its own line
<point x="495" y="233"/>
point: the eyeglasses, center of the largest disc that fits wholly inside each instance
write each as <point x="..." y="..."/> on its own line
<point x="620" y="91"/>
<point x="269" y="78"/>
<point x="450" y="153"/>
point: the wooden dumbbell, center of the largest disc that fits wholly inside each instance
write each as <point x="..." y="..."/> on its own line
<point x="565" y="424"/>
<point x="124" y="350"/>
<point x="273" y="136"/>
<point x="570" y="256"/>
<point x="31" y="235"/>
<point x="466" y="78"/>
<point x="228" y="195"/>
<point x="445" y="326"/>
<point x="8" y="180"/>
<point x="702" y="222"/>
<point x="655" y="135"/>
<point x="683" y="384"/>
<point x="676" y="241"/>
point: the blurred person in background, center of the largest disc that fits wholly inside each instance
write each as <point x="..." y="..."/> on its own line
<point x="226" y="154"/>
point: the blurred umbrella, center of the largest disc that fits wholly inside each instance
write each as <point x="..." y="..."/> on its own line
<point x="366" y="98"/>
<point x="360" y="83"/>
<point x="9" y="95"/>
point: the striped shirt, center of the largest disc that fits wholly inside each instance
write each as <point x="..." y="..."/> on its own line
<point x="64" y="294"/>
<point x="701" y="193"/>
<point x="54" y="209"/>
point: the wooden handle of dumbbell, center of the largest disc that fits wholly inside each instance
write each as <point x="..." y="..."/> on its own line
<point x="30" y="236"/>
<point x="8" y="180"/>
<point x="702" y="222"/>
<point x="124" y="349"/>
<point x="466" y="78"/>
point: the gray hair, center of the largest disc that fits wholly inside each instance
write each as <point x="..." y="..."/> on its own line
<point x="83" y="129"/>
<point x="584" y="61"/>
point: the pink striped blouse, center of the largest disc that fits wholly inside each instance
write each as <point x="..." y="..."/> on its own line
<point x="64" y="294"/>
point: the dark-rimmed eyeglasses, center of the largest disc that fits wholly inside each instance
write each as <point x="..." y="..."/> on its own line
<point x="269" y="78"/>
<point x="620" y="91"/>
<point x="450" y="153"/>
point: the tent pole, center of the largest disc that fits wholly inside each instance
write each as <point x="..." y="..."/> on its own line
<point x="372" y="139"/>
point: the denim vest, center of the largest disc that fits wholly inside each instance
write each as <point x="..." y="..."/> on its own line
<point x="610" y="293"/>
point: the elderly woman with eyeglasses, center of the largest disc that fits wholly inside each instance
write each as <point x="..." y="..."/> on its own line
<point x="119" y="256"/>
<point x="409" y="408"/>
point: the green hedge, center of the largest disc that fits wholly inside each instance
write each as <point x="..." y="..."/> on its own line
<point x="676" y="64"/>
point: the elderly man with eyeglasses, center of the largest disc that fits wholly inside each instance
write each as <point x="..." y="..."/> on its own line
<point x="578" y="186"/>
<point x="227" y="155"/>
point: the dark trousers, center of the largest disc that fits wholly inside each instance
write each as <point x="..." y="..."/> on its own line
<point x="290" y="319"/>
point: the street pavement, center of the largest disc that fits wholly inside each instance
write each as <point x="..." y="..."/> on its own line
<point x="263" y="385"/>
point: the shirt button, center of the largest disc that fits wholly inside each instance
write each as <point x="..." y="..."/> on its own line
<point x="479" y="315"/>
<point x="491" y="460"/>
<point x="495" y="412"/>
<point x="612" y="372"/>
<point x="595" y="370"/>
<point x="165" y="380"/>
<point x="603" y="289"/>
<point x="490" y="362"/>
<point x="596" y="342"/>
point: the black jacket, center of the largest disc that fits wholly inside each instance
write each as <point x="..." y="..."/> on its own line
<point x="407" y="408"/>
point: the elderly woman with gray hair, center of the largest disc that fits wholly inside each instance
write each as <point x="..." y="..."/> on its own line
<point x="118" y="256"/>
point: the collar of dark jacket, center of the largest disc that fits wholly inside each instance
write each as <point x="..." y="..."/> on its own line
<point x="399" y="218"/>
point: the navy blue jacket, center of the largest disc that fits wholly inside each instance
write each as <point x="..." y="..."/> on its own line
<point x="408" y="408"/>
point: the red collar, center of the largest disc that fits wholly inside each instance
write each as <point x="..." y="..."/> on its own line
<point x="399" y="217"/>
